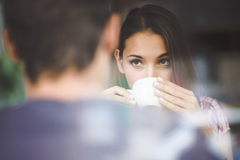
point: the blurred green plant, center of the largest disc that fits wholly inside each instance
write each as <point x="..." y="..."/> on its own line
<point x="11" y="83"/>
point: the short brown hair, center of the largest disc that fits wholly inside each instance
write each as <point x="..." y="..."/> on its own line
<point x="51" y="35"/>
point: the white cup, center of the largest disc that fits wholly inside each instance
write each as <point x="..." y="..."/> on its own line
<point x="143" y="92"/>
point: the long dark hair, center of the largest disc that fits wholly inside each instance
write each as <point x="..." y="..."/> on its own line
<point x="158" y="20"/>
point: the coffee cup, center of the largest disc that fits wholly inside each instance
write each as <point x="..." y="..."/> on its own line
<point x="143" y="92"/>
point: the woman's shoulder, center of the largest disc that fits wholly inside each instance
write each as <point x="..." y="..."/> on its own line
<point x="208" y="103"/>
<point x="215" y="115"/>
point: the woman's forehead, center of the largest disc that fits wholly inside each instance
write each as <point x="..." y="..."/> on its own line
<point x="145" y="44"/>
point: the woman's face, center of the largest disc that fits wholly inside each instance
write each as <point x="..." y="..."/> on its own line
<point x="145" y="55"/>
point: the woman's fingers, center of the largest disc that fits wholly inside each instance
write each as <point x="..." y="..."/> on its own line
<point x="123" y="100"/>
<point x="117" y="90"/>
<point x="175" y="97"/>
<point x="174" y="86"/>
<point x="172" y="107"/>
<point x="174" y="100"/>
<point x="175" y="90"/>
<point x="171" y="90"/>
<point x="119" y="94"/>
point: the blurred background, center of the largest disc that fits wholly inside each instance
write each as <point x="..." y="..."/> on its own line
<point x="212" y="28"/>
<point x="11" y="87"/>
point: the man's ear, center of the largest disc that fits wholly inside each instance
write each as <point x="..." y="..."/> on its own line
<point x="10" y="48"/>
<point x="111" y="33"/>
<point x="119" y="61"/>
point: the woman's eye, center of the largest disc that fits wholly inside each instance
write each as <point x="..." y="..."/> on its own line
<point x="164" y="62"/>
<point x="136" y="62"/>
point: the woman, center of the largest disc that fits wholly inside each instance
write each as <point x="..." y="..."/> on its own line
<point x="152" y="44"/>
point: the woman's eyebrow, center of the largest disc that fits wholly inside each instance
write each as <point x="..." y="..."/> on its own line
<point x="162" y="55"/>
<point x="135" y="56"/>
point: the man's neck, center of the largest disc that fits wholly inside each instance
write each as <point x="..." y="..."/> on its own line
<point x="70" y="86"/>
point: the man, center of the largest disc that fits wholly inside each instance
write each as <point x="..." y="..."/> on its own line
<point x="61" y="42"/>
<point x="66" y="48"/>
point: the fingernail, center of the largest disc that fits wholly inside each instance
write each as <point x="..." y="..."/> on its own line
<point x="160" y="79"/>
<point x="133" y="102"/>
<point x="131" y="96"/>
<point x="162" y="99"/>
<point x="156" y="83"/>
<point x="157" y="91"/>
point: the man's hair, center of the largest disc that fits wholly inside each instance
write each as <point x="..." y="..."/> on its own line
<point x="52" y="35"/>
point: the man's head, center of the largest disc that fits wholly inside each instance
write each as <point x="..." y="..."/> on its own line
<point x="50" y="36"/>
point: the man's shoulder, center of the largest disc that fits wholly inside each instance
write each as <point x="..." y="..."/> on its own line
<point x="25" y="107"/>
<point x="48" y="116"/>
<point x="53" y="126"/>
<point x="59" y="104"/>
<point x="51" y="108"/>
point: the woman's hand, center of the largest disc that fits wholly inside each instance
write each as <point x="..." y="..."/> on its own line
<point x="119" y="94"/>
<point x="175" y="98"/>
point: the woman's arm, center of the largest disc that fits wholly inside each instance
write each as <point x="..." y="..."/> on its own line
<point x="226" y="145"/>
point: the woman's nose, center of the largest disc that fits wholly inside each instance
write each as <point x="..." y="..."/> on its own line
<point x="152" y="72"/>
